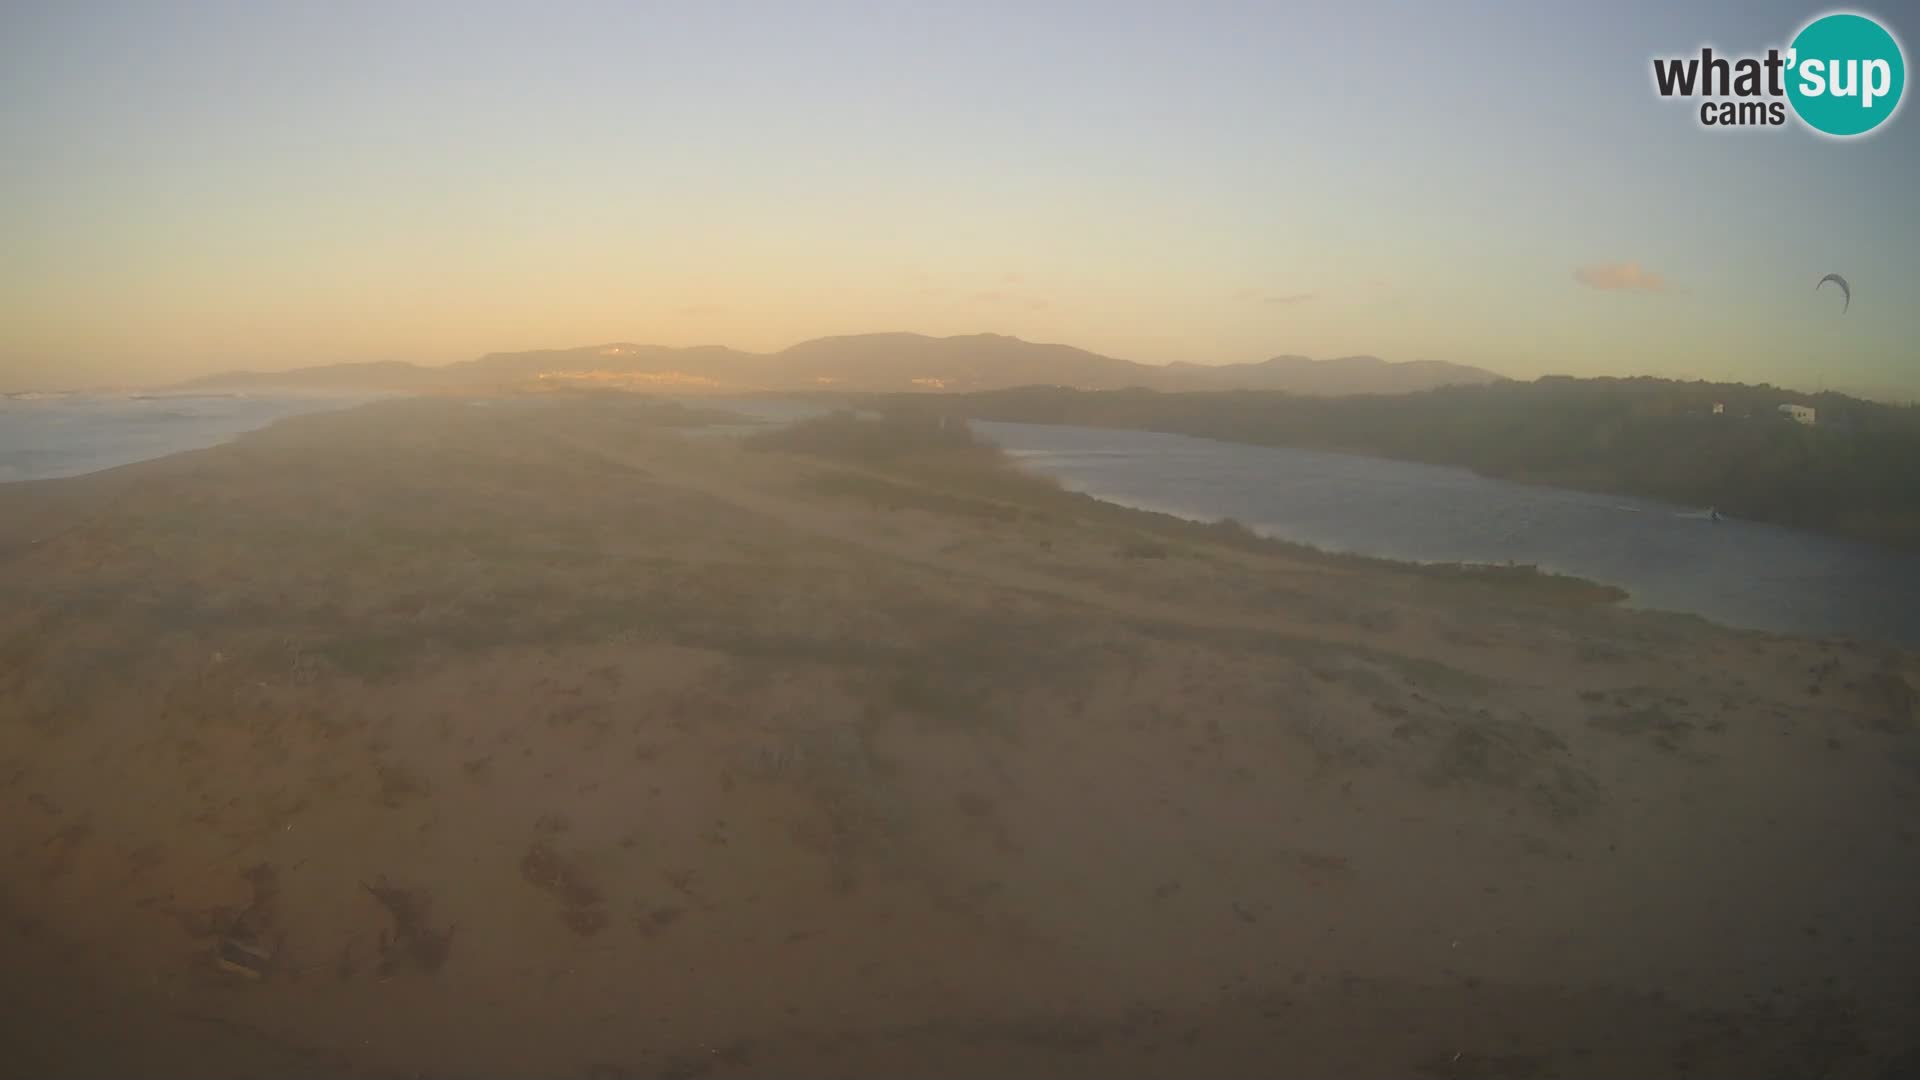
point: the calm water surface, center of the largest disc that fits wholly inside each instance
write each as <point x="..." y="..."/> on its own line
<point x="1668" y="557"/>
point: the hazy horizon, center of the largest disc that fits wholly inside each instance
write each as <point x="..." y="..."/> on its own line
<point x="630" y="343"/>
<point x="211" y="187"/>
<point x="1889" y="394"/>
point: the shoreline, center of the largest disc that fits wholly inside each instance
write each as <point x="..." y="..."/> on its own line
<point x="1200" y="414"/>
<point x="617" y="752"/>
<point x="1760" y="613"/>
<point x="1573" y="582"/>
<point x="67" y="436"/>
<point x="1518" y="481"/>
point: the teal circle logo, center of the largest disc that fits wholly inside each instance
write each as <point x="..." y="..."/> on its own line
<point x="1845" y="74"/>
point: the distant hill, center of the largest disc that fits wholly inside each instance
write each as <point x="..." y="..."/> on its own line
<point x="1328" y="378"/>
<point x="382" y="375"/>
<point x="867" y="363"/>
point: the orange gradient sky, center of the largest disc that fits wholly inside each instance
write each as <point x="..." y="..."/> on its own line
<point x="208" y="186"/>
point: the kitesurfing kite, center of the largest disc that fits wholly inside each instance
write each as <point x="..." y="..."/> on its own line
<point x="1845" y="292"/>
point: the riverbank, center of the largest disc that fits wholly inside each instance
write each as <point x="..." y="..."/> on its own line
<point x="539" y="738"/>
<point x="1846" y="474"/>
<point x="1668" y="558"/>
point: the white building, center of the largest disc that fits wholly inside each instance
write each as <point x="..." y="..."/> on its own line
<point x="1800" y="413"/>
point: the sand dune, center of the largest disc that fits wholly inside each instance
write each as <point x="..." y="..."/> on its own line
<point x="546" y="739"/>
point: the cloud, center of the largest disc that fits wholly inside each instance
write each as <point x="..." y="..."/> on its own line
<point x="1619" y="276"/>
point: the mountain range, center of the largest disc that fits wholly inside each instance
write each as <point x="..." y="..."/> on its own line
<point x="862" y="362"/>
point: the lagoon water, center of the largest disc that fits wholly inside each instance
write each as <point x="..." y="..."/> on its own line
<point x="1668" y="557"/>
<point x="1673" y="558"/>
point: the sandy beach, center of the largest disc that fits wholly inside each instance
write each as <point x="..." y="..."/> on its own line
<point x="540" y="737"/>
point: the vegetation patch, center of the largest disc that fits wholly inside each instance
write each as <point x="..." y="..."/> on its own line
<point x="580" y="900"/>
<point x="411" y="941"/>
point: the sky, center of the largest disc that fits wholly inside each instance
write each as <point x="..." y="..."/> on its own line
<point x="188" y="187"/>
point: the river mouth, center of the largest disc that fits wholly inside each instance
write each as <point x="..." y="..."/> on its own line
<point x="1668" y="558"/>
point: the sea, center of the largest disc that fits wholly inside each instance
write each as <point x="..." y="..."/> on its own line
<point x="45" y="436"/>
